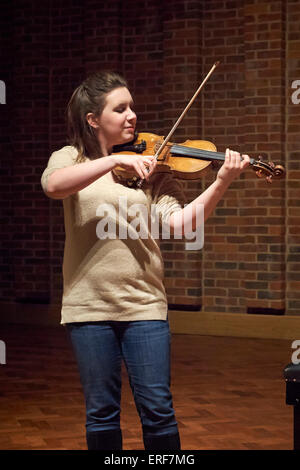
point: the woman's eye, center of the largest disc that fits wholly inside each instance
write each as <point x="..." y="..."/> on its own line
<point x="123" y="109"/>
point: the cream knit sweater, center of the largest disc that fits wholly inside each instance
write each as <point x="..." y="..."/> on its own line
<point x="116" y="276"/>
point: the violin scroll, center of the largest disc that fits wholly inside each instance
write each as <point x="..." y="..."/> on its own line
<point x="268" y="170"/>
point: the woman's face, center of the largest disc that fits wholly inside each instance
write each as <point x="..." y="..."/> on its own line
<point x="116" y="124"/>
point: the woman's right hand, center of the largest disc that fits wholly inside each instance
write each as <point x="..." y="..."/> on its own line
<point x="141" y="165"/>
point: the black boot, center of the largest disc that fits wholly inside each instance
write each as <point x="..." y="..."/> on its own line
<point x="168" y="442"/>
<point x="104" y="440"/>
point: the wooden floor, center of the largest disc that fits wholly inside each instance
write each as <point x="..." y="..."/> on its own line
<point x="228" y="393"/>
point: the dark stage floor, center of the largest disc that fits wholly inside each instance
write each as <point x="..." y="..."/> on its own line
<point x="228" y="393"/>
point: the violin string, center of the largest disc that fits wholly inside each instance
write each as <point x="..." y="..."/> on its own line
<point x="192" y="152"/>
<point x="205" y="154"/>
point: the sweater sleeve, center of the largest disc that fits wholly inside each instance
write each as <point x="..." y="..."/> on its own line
<point x="168" y="195"/>
<point x="62" y="158"/>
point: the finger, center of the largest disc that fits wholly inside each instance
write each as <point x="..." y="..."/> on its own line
<point x="245" y="161"/>
<point x="150" y="164"/>
<point x="148" y="158"/>
<point x="227" y="158"/>
<point x="237" y="160"/>
<point x="144" y="169"/>
<point x="232" y="158"/>
<point x="138" y="168"/>
<point x="140" y="172"/>
<point x="150" y="170"/>
<point x="148" y="161"/>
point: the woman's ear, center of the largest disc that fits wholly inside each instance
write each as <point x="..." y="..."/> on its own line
<point x="92" y="120"/>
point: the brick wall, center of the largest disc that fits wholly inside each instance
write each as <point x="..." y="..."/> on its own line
<point x="292" y="149"/>
<point x="250" y="260"/>
<point x="245" y="261"/>
<point x="6" y="187"/>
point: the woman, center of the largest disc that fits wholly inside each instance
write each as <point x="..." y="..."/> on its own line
<point x="114" y="303"/>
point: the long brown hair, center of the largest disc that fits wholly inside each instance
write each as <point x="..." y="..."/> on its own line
<point x="89" y="97"/>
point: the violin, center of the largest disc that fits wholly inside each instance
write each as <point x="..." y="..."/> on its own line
<point x="188" y="161"/>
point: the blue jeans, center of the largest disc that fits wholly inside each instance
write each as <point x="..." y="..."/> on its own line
<point x="145" y="348"/>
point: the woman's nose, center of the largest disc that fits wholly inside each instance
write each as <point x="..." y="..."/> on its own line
<point x="131" y="115"/>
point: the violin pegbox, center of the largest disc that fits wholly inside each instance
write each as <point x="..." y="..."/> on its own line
<point x="268" y="170"/>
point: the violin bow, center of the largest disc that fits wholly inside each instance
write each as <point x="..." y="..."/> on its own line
<point x="166" y="140"/>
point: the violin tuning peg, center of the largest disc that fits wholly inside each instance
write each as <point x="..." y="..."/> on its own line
<point x="259" y="173"/>
<point x="269" y="179"/>
<point x="272" y="164"/>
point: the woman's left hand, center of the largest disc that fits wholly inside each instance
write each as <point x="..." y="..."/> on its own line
<point x="232" y="167"/>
